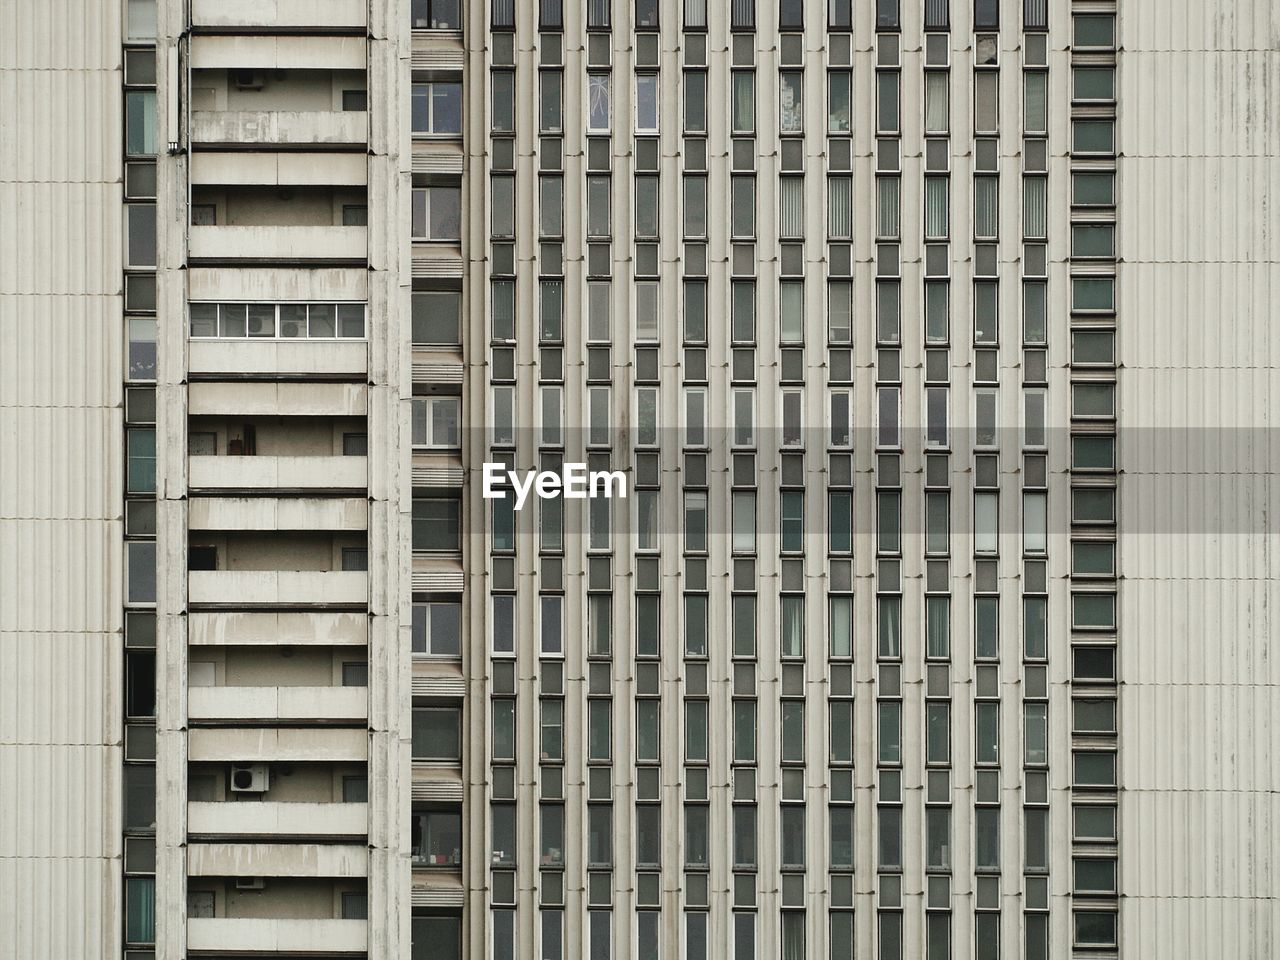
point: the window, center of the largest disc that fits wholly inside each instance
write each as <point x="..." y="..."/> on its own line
<point x="437" y="838"/>
<point x="437" y="213"/>
<point x="141" y="467"/>
<point x="887" y="101"/>
<point x="437" y="317"/>
<point x="552" y="730"/>
<point x="743" y="102"/>
<point x="437" y="733"/>
<point x="140" y="122"/>
<point x="646" y="103"/>
<point x="599" y="102"/>
<point x="790" y="102"/>
<point x="353" y="558"/>
<point x="140" y="910"/>
<point x="140" y="222"/>
<point x="436" y="15"/>
<point x="437" y="628"/>
<point x="839" y="101"/>
<point x="792" y="520"/>
<point x="504" y="729"/>
<point x="436" y="421"/>
<point x="504" y="101"/>
<point x="439" y="937"/>
<point x="437" y="108"/>
<point x="551" y="624"/>
<point x="437" y="524"/>
<point x="744" y="731"/>
<point x="695" y="101"/>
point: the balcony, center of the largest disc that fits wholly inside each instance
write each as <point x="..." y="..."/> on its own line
<point x="275" y="704"/>
<point x="268" y="16"/>
<point x="272" y="629"/>
<point x="278" y="513"/>
<point x="277" y="473"/>
<point x="287" y="242"/>
<point x="257" y="935"/>
<point x="277" y="860"/>
<point x="274" y="128"/>
<point x="242" y="400"/>
<point x="265" y="818"/>
<point x="276" y="744"/>
<point x="278" y="358"/>
<point x="269" y="52"/>
<point x="253" y="588"/>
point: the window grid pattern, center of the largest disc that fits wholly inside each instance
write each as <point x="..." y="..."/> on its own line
<point x="1096" y="914"/>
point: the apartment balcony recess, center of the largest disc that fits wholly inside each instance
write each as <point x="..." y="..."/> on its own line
<point x="278" y="704"/>
<point x="267" y="818"/>
<point x="277" y="473"/>
<point x="240" y="400"/>
<point x="278" y="16"/>
<point x="283" y="588"/>
<point x="291" y="244"/>
<point x="277" y="629"/>
<point x="276" y="744"/>
<point x="268" y="935"/>
<point x="278" y="513"/>
<point x="277" y="860"/>
<point x="254" y="107"/>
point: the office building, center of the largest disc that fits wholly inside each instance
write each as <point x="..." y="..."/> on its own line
<point x="934" y="622"/>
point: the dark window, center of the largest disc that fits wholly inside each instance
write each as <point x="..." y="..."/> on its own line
<point x="436" y="15"/>
<point x="986" y="13"/>
<point x="437" y="524"/>
<point x="202" y="558"/>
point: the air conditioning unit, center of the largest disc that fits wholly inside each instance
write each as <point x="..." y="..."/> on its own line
<point x="250" y="777"/>
<point x="250" y="883"/>
<point x="250" y="80"/>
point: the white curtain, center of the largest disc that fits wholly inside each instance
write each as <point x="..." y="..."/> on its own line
<point x="791" y="192"/>
<point x="839" y="208"/>
<point x="986" y="206"/>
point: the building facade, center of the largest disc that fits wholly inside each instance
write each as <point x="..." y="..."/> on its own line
<point x="934" y="622"/>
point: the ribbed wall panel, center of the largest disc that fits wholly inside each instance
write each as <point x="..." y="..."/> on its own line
<point x="1200" y="138"/>
<point x="61" y="338"/>
<point x="437" y="267"/>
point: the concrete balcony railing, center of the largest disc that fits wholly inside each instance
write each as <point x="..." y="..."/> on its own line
<point x="277" y="744"/>
<point x="289" y="242"/>
<point x="267" y="818"/>
<point x="271" y="704"/>
<point x="277" y="860"/>
<point x="241" y="358"/>
<point x="271" y="128"/>
<point x="268" y="15"/>
<point x="252" y="588"/>
<point x="277" y="473"/>
<point x="346" y="514"/>
<point x="246" y="935"/>
<point x="207" y="399"/>
<point x="277" y="629"/>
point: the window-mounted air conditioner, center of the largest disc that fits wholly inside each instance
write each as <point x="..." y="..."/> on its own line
<point x="250" y="777"/>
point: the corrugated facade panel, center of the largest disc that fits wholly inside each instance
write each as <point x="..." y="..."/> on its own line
<point x="61" y="339"/>
<point x="1199" y="498"/>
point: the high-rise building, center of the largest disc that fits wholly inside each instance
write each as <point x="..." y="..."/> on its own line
<point x="932" y="343"/>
